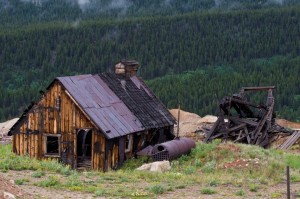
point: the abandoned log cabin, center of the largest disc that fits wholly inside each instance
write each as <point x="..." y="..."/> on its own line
<point x="93" y="121"/>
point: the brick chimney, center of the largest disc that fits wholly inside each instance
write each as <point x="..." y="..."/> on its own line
<point x="127" y="68"/>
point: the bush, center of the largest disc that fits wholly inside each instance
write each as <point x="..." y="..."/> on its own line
<point x="21" y="181"/>
<point x="240" y="192"/>
<point x="100" y="192"/>
<point x="157" y="189"/>
<point x="38" y="174"/>
<point x="293" y="161"/>
<point x="209" y="167"/>
<point x="253" y="188"/>
<point x="52" y="181"/>
<point x="208" y="191"/>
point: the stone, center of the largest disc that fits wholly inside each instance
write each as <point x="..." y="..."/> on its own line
<point x="159" y="166"/>
<point x="8" y="195"/>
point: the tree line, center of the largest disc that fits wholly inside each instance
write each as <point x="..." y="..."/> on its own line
<point x="32" y="56"/>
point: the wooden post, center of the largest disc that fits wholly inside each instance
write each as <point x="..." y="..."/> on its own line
<point x="288" y="182"/>
<point x="178" y="120"/>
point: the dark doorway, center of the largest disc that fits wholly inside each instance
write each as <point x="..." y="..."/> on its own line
<point x="84" y="148"/>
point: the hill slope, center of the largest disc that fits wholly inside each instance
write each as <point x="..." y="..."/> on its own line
<point x="30" y="57"/>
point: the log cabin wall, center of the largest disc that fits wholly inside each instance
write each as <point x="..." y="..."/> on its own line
<point x="57" y="118"/>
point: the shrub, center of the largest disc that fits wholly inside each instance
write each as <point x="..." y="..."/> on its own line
<point x="73" y="180"/>
<point x="157" y="189"/>
<point x="38" y="174"/>
<point x="100" y="192"/>
<point x="253" y="188"/>
<point x="21" y="181"/>
<point x="189" y="170"/>
<point x="208" y="191"/>
<point x="209" y="167"/>
<point x="293" y="161"/>
<point x="65" y="171"/>
<point x="213" y="183"/>
<point x="52" y="181"/>
<point x="240" y="192"/>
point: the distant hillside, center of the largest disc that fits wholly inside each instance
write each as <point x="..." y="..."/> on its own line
<point x="200" y="91"/>
<point x="14" y="13"/>
<point x="236" y="43"/>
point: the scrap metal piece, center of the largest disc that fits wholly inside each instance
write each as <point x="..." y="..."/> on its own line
<point x="172" y="149"/>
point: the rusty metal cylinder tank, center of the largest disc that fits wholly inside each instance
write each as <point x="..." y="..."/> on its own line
<point x="172" y="149"/>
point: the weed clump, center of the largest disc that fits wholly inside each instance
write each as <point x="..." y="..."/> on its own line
<point x="208" y="191"/>
<point x="157" y="189"/>
<point x="38" y="174"/>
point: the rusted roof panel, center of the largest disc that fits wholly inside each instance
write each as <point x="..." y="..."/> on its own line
<point x="139" y="99"/>
<point x="102" y="105"/>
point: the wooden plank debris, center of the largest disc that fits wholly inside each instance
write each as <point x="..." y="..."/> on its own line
<point x="241" y="120"/>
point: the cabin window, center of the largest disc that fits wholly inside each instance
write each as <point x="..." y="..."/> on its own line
<point x="128" y="140"/>
<point x="52" y="145"/>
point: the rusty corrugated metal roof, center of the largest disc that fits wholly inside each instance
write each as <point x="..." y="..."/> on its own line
<point x="103" y="107"/>
<point x="118" y="106"/>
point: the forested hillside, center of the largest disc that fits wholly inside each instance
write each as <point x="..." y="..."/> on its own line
<point x="16" y="13"/>
<point x="226" y="50"/>
<point x="203" y="89"/>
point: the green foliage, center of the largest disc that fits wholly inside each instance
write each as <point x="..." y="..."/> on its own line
<point x="293" y="161"/>
<point x="100" y="192"/>
<point x="214" y="183"/>
<point x="253" y="187"/>
<point x="11" y="161"/>
<point x="14" y="13"/>
<point x="38" y="174"/>
<point x="135" y="162"/>
<point x="21" y="181"/>
<point x="276" y="195"/>
<point x="65" y="170"/>
<point x="74" y="180"/>
<point x="240" y="192"/>
<point x="208" y="50"/>
<point x="51" y="181"/>
<point x="156" y="189"/>
<point x="208" y="191"/>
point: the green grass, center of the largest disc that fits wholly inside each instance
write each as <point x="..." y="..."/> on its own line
<point x="208" y="191"/>
<point x="38" y="174"/>
<point x="52" y="181"/>
<point x="203" y="168"/>
<point x="293" y="161"/>
<point x="157" y="189"/>
<point x="21" y="181"/>
<point x="240" y="192"/>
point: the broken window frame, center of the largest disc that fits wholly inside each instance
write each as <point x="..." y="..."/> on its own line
<point x="46" y="153"/>
<point x="128" y="143"/>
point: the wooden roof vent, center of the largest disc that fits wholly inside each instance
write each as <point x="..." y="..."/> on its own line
<point x="127" y="68"/>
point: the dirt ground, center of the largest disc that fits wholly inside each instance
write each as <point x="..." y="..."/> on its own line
<point x="28" y="190"/>
<point x="9" y="186"/>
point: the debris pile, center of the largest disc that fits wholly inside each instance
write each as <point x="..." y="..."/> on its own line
<point x="243" y="121"/>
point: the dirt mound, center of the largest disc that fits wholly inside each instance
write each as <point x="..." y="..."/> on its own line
<point x="191" y="124"/>
<point x="288" y="124"/>
<point x="5" y="126"/>
<point x="185" y="116"/>
<point x="7" y="186"/>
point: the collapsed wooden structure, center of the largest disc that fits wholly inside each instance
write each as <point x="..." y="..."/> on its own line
<point x="95" y="121"/>
<point x="243" y="121"/>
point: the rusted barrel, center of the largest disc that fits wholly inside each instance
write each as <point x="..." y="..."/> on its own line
<point x="172" y="149"/>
